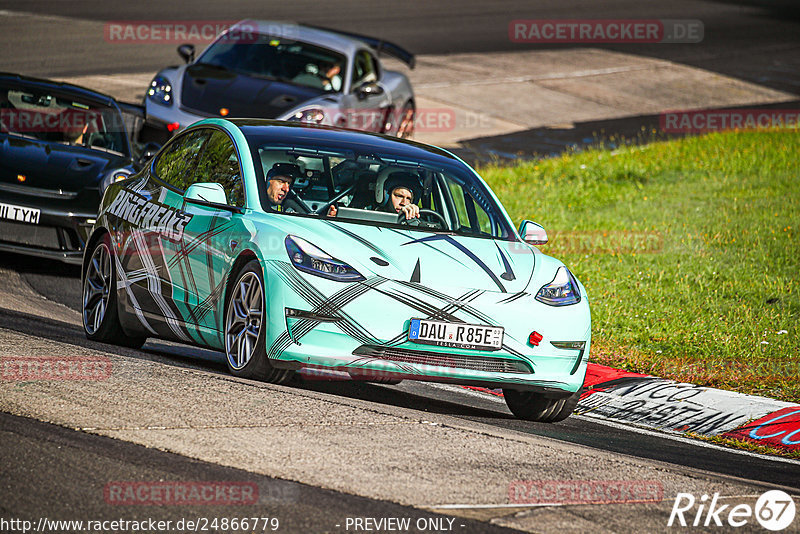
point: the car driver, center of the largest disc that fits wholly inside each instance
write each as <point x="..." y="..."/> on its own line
<point x="279" y="181"/>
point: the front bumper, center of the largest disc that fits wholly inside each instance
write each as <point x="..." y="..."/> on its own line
<point x="362" y="328"/>
<point x="58" y="236"/>
<point x="159" y="115"/>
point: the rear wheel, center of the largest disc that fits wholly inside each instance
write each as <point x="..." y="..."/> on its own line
<point x="246" y="329"/>
<point x="536" y="407"/>
<point x="100" y="313"/>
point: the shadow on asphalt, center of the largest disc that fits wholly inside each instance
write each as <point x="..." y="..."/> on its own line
<point x="438" y="401"/>
<point x="40" y="458"/>
<point x="388" y="395"/>
<point x="186" y="356"/>
<point x="547" y="142"/>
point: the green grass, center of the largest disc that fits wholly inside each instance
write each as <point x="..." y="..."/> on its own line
<point x="688" y="249"/>
<point x="746" y="445"/>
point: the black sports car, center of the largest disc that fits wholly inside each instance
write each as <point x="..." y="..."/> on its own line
<point x="60" y="146"/>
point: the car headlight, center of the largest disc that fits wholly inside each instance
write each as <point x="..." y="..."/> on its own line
<point x="113" y="176"/>
<point x="310" y="115"/>
<point x="562" y="291"/>
<point x="310" y="259"/>
<point x="160" y="91"/>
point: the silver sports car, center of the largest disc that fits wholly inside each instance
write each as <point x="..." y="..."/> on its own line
<point x="284" y="71"/>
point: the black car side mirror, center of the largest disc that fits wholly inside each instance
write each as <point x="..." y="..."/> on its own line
<point x="186" y="51"/>
<point x="369" y="89"/>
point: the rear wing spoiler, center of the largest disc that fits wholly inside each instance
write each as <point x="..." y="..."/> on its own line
<point x="380" y="46"/>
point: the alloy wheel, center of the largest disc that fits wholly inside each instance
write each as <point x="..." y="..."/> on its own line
<point x="244" y="320"/>
<point x="97" y="289"/>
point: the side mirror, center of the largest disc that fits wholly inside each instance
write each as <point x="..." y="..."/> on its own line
<point x="186" y="51"/>
<point x="206" y="192"/>
<point x="532" y="233"/>
<point x="369" y="89"/>
<point x="148" y="151"/>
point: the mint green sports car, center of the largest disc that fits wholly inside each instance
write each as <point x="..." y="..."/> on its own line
<point x="288" y="246"/>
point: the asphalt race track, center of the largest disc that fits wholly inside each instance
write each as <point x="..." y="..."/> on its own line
<point x="742" y="40"/>
<point x="438" y="399"/>
<point x="322" y="453"/>
<point x="42" y="459"/>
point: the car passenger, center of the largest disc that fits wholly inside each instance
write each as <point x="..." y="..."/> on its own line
<point x="332" y="81"/>
<point x="400" y="191"/>
<point x="395" y="195"/>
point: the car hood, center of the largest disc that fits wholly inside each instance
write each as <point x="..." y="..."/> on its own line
<point x="207" y="90"/>
<point x="436" y="260"/>
<point x="53" y="165"/>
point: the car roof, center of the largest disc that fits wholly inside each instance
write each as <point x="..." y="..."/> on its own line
<point x="77" y="90"/>
<point x="281" y="132"/>
<point x="292" y="31"/>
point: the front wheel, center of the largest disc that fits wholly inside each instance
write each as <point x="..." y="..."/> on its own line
<point x="246" y="329"/>
<point x="100" y="313"/>
<point x="536" y="407"/>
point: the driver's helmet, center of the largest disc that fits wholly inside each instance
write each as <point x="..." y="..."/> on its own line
<point x="391" y="180"/>
<point x="288" y="170"/>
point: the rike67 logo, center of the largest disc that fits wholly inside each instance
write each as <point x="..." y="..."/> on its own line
<point x="774" y="510"/>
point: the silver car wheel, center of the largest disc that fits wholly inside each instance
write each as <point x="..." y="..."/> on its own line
<point x="244" y="319"/>
<point x="97" y="288"/>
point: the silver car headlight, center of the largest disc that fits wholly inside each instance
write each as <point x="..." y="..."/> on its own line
<point x="309" y="115"/>
<point x="312" y="260"/>
<point x="562" y="291"/>
<point x="160" y="91"/>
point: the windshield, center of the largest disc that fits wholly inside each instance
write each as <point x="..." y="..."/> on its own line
<point x="287" y="61"/>
<point x="371" y="188"/>
<point x="61" y="118"/>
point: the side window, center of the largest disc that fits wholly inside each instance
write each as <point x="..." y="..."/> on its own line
<point x="471" y="216"/>
<point x="458" y="203"/>
<point x="364" y="70"/>
<point x="484" y="223"/>
<point x="176" y="164"/>
<point x="218" y="163"/>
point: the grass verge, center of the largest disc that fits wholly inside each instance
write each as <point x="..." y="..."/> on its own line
<point x="688" y="249"/>
<point x="745" y="445"/>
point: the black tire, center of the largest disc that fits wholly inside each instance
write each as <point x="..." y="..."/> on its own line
<point x="99" y="299"/>
<point x="532" y="406"/>
<point x="246" y="328"/>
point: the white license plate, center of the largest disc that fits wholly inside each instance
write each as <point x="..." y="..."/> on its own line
<point x="19" y="213"/>
<point x="458" y="335"/>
